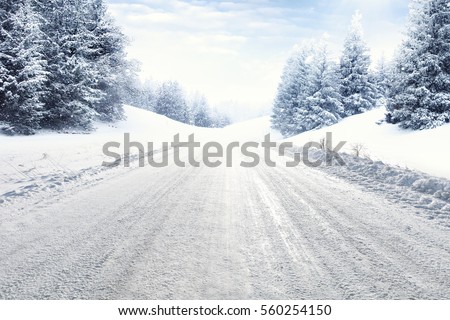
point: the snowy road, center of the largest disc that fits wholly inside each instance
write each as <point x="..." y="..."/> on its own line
<point x="223" y="233"/>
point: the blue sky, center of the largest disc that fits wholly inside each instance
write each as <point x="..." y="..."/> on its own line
<point x="234" y="51"/>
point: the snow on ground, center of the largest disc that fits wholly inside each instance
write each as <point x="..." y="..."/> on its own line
<point x="425" y="150"/>
<point x="45" y="161"/>
<point x="40" y="166"/>
<point x="49" y="162"/>
<point x="251" y="130"/>
<point x="177" y="233"/>
<point x="406" y="166"/>
<point x="410" y="167"/>
<point x="222" y="233"/>
<point x="421" y="193"/>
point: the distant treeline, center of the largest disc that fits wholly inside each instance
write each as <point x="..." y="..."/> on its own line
<point x="170" y="99"/>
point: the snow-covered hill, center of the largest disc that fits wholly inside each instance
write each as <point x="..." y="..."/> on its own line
<point x="417" y="150"/>
<point x="48" y="159"/>
<point x="424" y="151"/>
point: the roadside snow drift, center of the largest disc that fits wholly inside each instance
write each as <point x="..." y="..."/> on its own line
<point x="47" y="160"/>
<point x="426" y="150"/>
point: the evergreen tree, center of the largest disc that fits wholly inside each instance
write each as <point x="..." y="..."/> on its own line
<point x="22" y="105"/>
<point x="219" y="119"/>
<point x="69" y="102"/>
<point x="62" y="64"/>
<point x="171" y="102"/>
<point x="308" y="96"/>
<point x="323" y="106"/>
<point x="105" y="52"/>
<point x="358" y="92"/>
<point x="137" y="93"/>
<point x="420" y="98"/>
<point x="383" y="78"/>
<point x="148" y="95"/>
<point x="8" y="9"/>
<point x="201" y="112"/>
<point x="293" y="90"/>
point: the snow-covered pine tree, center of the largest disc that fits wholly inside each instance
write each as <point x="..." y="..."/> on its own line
<point x="171" y="101"/>
<point x="219" y="119"/>
<point x="137" y="93"/>
<point x="420" y="97"/>
<point x="358" y="92"/>
<point x="22" y="106"/>
<point x="323" y="106"/>
<point x="8" y="9"/>
<point x="62" y="64"/>
<point x="104" y="48"/>
<point x="86" y="61"/>
<point x="293" y="90"/>
<point x="201" y="112"/>
<point x="32" y="77"/>
<point x="148" y="95"/>
<point x="383" y="77"/>
<point x="69" y="102"/>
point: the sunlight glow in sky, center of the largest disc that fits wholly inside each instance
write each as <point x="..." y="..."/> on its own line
<point x="234" y="51"/>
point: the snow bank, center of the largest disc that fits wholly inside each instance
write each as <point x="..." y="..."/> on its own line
<point x="416" y="189"/>
<point x="48" y="160"/>
<point x="407" y="166"/>
<point x="425" y="151"/>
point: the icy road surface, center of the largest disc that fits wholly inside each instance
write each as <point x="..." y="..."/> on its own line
<point x="222" y="233"/>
